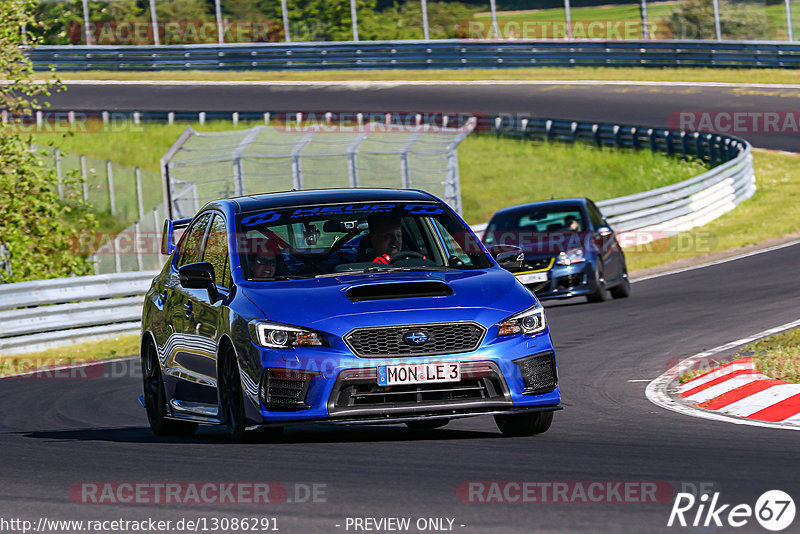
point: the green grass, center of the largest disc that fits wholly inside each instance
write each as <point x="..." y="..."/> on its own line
<point x="689" y="74"/>
<point x="68" y="354"/>
<point x="496" y="173"/>
<point x="773" y="212"/>
<point x="777" y="356"/>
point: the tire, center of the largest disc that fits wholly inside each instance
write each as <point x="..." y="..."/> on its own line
<point x="231" y="396"/>
<point x="523" y="424"/>
<point x="601" y="293"/>
<point x="428" y="424"/>
<point x="155" y="398"/>
<point x="623" y="289"/>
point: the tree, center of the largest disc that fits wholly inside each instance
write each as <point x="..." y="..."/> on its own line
<point x="694" y="19"/>
<point x="37" y="230"/>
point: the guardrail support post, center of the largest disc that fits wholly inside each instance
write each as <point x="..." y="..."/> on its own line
<point x="635" y="138"/>
<point x="668" y="140"/>
<point x="596" y="134"/>
<point x="139" y="199"/>
<point x="699" y="144"/>
<point x="201" y="118"/>
<point x="110" y="177"/>
<point x="548" y="130"/>
<point x="653" y="140"/>
<point x="85" y="181"/>
<point x="58" y="175"/>
<point x="685" y="145"/>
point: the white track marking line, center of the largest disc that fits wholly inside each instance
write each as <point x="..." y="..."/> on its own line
<point x="67" y="366"/>
<point x="656" y="391"/>
<point x="724" y="387"/>
<point x="763" y="399"/>
<point x="701" y="380"/>
<point x="718" y="262"/>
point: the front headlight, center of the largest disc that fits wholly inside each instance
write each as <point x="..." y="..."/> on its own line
<point x="530" y="321"/>
<point x="281" y="336"/>
<point x="574" y="255"/>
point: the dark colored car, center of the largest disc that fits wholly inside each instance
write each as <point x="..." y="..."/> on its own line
<point x="570" y="250"/>
<point x="350" y="306"/>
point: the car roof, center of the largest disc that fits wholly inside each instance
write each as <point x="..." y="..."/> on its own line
<point x="558" y="203"/>
<point x="308" y="197"/>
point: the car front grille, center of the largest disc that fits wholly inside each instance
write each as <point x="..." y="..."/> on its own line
<point x="443" y="338"/>
<point x="357" y="390"/>
<point x="538" y="372"/>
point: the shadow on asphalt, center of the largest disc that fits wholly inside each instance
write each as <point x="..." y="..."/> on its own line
<point x="306" y="434"/>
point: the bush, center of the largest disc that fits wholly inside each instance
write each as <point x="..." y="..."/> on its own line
<point x="695" y="20"/>
<point x="36" y="229"/>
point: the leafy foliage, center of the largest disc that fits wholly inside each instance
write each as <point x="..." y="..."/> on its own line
<point x="694" y="19"/>
<point x="36" y="229"/>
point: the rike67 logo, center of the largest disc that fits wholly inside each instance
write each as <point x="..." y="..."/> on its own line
<point x="774" y="510"/>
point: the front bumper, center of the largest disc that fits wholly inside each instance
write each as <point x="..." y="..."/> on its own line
<point x="342" y="388"/>
<point x="566" y="281"/>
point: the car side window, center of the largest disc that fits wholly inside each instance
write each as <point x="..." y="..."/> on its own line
<point x="192" y="247"/>
<point x="596" y="217"/>
<point x="216" y="251"/>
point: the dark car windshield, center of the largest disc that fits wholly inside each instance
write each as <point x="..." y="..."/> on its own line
<point x="309" y="241"/>
<point x="513" y="227"/>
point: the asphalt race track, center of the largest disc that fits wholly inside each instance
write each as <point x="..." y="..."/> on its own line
<point x="632" y="103"/>
<point x="55" y="433"/>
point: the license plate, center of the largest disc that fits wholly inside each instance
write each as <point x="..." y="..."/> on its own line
<point x="419" y="373"/>
<point x="532" y="278"/>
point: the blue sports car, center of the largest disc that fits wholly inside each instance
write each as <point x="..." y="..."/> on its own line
<point x="351" y="306"/>
<point x="570" y="249"/>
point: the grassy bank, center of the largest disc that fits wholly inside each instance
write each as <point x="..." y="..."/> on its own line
<point x="69" y="354"/>
<point x="773" y="212"/>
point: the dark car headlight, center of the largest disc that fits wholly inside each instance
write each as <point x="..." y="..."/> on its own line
<point x="530" y="321"/>
<point x="282" y="336"/>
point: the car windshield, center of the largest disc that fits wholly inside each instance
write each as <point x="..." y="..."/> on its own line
<point x="507" y="229"/>
<point x="314" y="241"/>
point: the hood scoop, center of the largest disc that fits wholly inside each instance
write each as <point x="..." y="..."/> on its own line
<point x="399" y="290"/>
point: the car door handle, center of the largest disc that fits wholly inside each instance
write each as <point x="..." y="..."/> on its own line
<point x="187" y="306"/>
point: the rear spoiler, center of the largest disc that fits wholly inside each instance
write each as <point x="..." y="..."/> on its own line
<point x="168" y="234"/>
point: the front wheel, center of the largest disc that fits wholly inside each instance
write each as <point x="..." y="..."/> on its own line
<point x="623" y="289"/>
<point x="155" y="398"/>
<point x="600" y="293"/>
<point x="230" y="385"/>
<point x="523" y="424"/>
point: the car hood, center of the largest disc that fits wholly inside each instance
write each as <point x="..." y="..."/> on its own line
<point x="340" y="303"/>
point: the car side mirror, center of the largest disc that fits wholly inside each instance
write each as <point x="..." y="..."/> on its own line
<point x="199" y="276"/>
<point x="508" y="256"/>
<point x="604" y="231"/>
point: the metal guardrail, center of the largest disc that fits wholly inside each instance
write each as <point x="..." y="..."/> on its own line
<point x="42" y="314"/>
<point x="438" y="54"/>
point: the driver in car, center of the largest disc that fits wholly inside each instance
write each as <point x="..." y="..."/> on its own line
<point x="386" y="237"/>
